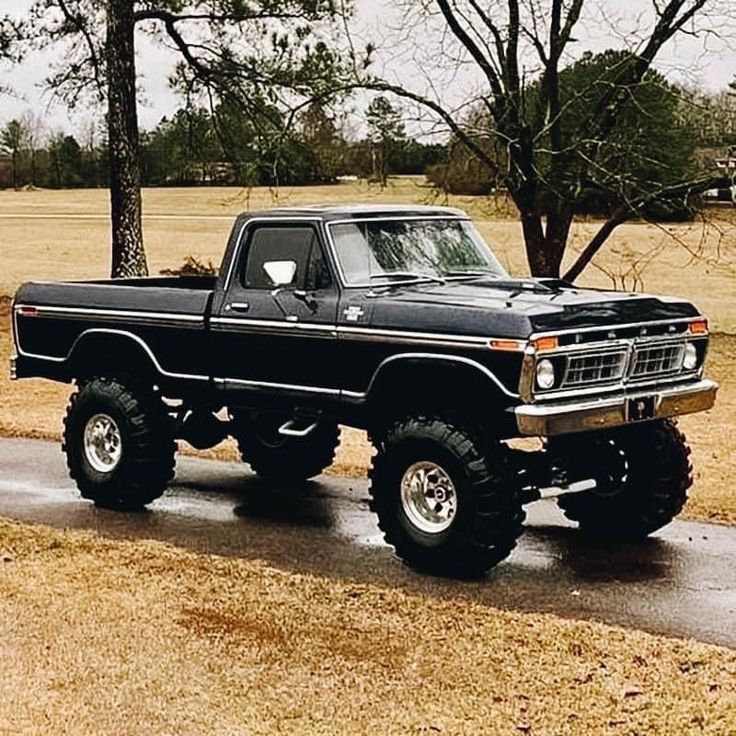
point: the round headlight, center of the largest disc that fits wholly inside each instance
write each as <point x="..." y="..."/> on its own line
<point x="690" y="357"/>
<point x="545" y="374"/>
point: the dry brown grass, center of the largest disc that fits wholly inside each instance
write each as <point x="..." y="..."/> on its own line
<point x="103" y="637"/>
<point x="711" y="435"/>
<point x="78" y="248"/>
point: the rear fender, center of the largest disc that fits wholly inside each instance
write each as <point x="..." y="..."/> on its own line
<point x="112" y="352"/>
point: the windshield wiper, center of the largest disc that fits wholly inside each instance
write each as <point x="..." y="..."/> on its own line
<point x="470" y="274"/>
<point x="406" y="275"/>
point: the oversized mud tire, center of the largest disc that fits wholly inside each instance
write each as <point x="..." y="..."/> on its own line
<point x="119" y="444"/>
<point x="648" y="489"/>
<point x="276" y="457"/>
<point x="446" y="497"/>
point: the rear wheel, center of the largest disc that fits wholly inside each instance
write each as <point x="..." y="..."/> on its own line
<point x="119" y="444"/>
<point x="280" y="457"/>
<point x="446" y="499"/>
<point x="642" y="474"/>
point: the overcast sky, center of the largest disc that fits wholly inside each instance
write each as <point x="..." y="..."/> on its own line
<point x="708" y="60"/>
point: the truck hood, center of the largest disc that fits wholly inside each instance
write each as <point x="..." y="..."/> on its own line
<point x="517" y="308"/>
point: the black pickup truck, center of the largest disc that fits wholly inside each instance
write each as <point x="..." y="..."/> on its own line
<point x="398" y="320"/>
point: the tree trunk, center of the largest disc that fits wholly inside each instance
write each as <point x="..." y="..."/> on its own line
<point x="544" y="247"/>
<point x="556" y="234"/>
<point x="543" y="252"/>
<point x="128" y="255"/>
<point x="14" y="166"/>
<point x="545" y="242"/>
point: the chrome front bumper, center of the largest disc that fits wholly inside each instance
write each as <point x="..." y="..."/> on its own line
<point x="545" y="420"/>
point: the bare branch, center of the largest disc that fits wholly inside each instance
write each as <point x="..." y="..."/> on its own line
<point x="219" y="18"/>
<point x="480" y="59"/>
<point x="77" y="20"/>
<point x="627" y="211"/>
<point x="448" y="118"/>
<point x="493" y="28"/>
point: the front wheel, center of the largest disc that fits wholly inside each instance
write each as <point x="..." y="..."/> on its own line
<point x="119" y="444"/>
<point x="642" y="475"/>
<point x="446" y="499"/>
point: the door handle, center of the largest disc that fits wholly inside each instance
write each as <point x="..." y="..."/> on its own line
<point x="238" y="306"/>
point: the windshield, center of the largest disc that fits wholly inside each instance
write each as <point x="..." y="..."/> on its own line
<point x="391" y="251"/>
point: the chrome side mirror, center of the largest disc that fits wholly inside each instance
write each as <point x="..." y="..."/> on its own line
<point x="281" y="273"/>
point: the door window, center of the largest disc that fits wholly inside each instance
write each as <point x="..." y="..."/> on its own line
<point x="298" y="244"/>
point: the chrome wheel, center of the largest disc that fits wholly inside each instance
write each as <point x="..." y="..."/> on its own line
<point x="103" y="443"/>
<point x="428" y="497"/>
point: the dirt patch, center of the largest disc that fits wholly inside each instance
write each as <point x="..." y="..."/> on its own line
<point x="139" y="637"/>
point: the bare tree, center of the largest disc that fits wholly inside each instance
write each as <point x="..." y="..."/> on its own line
<point x="228" y="48"/>
<point x="35" y="134"/>
<point x="386" y="134"/>
<point x="556" y="149"/>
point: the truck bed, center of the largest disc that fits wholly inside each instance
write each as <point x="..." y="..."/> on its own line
<point x="199" y="283"/>
<point x="185" y="294"/>
<point x="165" y="317"/>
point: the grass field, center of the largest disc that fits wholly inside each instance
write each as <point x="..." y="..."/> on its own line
<point x="34" y="244"/>
<point x="102" y="637"/>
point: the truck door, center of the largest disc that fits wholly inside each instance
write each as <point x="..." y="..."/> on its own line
<point x="276" y="327"/>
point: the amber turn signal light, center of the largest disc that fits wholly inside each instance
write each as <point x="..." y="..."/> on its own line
<point x="507" y="345"/>
<point x="699" y="326"/>
<point x="546" y="343"/>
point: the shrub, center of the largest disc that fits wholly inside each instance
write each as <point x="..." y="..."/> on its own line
<point x="192" y="266"/>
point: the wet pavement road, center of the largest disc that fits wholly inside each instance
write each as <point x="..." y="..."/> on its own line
<point x="681" y="582"/>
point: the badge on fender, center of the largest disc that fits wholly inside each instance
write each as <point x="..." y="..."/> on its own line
<point x="353" y="313"/>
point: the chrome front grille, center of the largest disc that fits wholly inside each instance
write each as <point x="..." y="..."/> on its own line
<point x="627" y="362"/>
<point x="656" y="360"/>
<point x="594" y="368"/>
<point x="634" y="358"/>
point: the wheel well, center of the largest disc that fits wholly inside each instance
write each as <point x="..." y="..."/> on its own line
<point x="110" y="354"/>
<point x="412" y="384"/>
